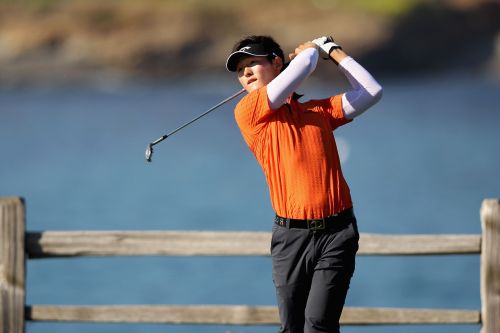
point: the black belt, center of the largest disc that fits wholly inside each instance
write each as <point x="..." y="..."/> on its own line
<point x="336" y="221"/>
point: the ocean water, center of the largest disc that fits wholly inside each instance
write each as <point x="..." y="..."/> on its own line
<point x="419" y="162"/>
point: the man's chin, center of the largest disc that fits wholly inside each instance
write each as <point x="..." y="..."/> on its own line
<point x="253" y="86"/>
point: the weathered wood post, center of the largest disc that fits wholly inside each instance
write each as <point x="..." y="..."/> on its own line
<point x="12" y="265"/>
<point x="490" y="266"/>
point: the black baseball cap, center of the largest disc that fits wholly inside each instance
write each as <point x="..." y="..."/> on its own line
<point x="257" y="50"/>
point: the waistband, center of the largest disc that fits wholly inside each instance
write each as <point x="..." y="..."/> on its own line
<point x="336" y="221"/>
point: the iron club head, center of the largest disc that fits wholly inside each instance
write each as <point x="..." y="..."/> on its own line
<point x="149" y="152"/>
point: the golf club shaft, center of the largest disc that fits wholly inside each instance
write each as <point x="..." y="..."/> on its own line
<point x="198" y="117"/>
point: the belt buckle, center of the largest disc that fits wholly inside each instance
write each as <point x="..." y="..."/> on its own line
<point x="315" y="225"/>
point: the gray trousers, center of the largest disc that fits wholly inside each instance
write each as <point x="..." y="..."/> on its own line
<point x="312" y="271"/>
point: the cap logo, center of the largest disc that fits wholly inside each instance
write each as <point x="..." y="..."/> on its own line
<point x="245" y="48"/>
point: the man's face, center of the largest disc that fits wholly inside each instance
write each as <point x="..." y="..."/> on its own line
<point x="256" y="72"/>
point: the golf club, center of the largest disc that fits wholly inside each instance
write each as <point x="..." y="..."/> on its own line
<point x="149" y="149"/>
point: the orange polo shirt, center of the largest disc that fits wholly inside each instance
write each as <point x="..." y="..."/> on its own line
<point x="296" y="149"/>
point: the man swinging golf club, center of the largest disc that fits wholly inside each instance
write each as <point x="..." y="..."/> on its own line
<point x="315" y="235"/>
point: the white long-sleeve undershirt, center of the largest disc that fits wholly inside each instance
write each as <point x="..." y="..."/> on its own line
<point x="366" y="90"/>
<point x="289" y="80"/>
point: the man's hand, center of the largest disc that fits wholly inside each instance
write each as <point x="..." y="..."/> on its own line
<point x="301" y="48"/>
<point x="326" y="46"/>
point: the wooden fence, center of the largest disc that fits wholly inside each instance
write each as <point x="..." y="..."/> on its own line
<point x="18" y="245"/>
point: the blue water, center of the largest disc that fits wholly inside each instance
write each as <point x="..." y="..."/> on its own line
<point x="421" y="161"/>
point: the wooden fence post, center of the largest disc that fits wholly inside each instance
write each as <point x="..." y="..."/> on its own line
<point x="490" y="266"/>
<point x="12" y="265"/>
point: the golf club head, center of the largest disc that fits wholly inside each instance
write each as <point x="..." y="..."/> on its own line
<point x="149" y="152"/>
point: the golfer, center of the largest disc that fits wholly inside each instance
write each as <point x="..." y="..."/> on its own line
<point x="315" y="235"/>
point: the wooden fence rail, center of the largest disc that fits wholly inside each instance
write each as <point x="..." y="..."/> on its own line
<point x="223" y="243"/>
<point x="17" y="245"/>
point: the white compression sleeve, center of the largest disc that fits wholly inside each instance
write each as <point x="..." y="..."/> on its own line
<point x="279" y="89"/>
<point x="366" y="91"/>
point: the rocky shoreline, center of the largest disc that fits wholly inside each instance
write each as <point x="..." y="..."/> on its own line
<point x="84" y="41"/>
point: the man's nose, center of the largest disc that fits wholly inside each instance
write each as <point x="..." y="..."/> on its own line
<point x="248" y="71"/>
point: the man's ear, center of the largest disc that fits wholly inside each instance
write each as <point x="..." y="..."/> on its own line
<point x="277" y="64"/>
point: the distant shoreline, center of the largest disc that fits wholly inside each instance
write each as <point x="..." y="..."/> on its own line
<point x="83" y="40"/>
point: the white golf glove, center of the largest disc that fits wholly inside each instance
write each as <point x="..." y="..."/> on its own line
<point x="326" y="45"/>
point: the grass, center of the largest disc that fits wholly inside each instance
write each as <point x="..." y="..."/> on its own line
<point x="385" y="7"/>
<point x="378" y="7"/>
